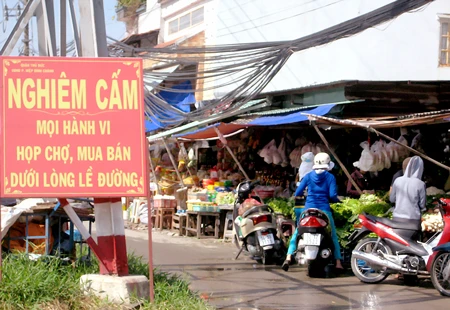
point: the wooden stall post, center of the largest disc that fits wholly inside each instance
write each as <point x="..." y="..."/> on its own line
<point x="219" y="134"/>
<point x="337" y="159"/>
<point x="173" y="162"/>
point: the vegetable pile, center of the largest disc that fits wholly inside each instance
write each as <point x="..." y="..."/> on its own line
<point x="432" y="222"/>
<point x="282" y="205"/>
<point x="225" y="198"/>
<point x="346" y="213"/>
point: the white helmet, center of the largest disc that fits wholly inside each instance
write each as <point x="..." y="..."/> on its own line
<point x="322" y="161"/>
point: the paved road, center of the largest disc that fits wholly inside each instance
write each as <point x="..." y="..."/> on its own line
<point x="241" y="284"/>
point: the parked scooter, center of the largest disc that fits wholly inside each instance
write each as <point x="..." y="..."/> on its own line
<point x="439" y="263"/>
<point x="314" y="244"/>
<point x="440" y="269"/>
<point x="397" y="248"/>
<point x="256" y="229"/>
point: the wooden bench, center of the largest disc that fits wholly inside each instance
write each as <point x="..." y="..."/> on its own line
<point x="197" y="222"/>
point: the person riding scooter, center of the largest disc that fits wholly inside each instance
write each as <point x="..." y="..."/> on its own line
<point x="321" y="190"/>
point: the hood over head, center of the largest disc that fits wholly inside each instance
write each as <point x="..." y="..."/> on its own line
<point x="318" y="176"/>
<point x="414" y="168"/>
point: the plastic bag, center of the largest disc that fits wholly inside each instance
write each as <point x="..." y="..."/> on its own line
<point x="191" y="154"/>
<point x="402" y="151"/>
<point x="157" y="151"/>
<point x="300" y="141"/>
<point x="276" y="156"/>
<point x="182" y="154"/>
<point x="381" y="157"/>
<point x="417" y="143"/>
<point x="295" y="157"/>
<point x="282" y="152"/>
<point x="306" y="165"/>
<point x="264" y="152"/>
<point x="366" y="161"/>
<point x="385" y="155"/>
<point x="308" y="148"/>
<point x="391" y="149"/>
<point x="320" y="148"/>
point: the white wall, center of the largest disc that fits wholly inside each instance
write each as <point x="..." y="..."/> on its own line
<point x="406" y="48"/>
<point x="176" y="8"/>
<point x="151" y="18"/>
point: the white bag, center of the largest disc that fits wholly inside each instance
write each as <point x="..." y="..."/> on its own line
<point x="276" y="155"/>
<point x="392" y="151"/>
<point x="295" y="157"/>
<point x="366" y="161"/>
<point x="282" y="151"/>
<point x="402" y="151"/>
<point x="306" y="165"/>
<point x="308" y="148"/>
<point x="320" y="148"/>
<point x="384" y="155"/>
<point x="265" y="150"/>
<point x="191" y="154"/>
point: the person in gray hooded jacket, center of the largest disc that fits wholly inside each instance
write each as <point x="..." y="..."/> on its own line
<point x="409" y="193"/>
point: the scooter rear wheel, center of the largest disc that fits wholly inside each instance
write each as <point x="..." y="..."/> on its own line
<point x="267" y="258"/>
<point x="362" y="270"/>
<point x="440" y="269"/>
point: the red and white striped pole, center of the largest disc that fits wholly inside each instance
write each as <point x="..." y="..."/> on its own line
<point x="111" y="235"/>
<point x="84" y="232"/>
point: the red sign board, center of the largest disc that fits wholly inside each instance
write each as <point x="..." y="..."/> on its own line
<point x="72" y="127"/>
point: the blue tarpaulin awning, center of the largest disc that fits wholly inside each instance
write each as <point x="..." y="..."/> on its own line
<point x="290" y="118"/>
<point x="181" y="96"/>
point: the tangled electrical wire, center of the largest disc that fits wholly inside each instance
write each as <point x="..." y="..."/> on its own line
<point x="247" y="68"/>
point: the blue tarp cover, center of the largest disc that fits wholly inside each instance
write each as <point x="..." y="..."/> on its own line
<point x="181" y="97"/>
<point x="290" y="118"/>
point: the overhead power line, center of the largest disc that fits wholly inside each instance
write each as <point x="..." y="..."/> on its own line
<point x="249" y="66"/>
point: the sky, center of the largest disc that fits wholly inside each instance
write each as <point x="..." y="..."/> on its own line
<point x="114" y="28"/>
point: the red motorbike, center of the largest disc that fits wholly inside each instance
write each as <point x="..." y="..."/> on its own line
<point x="439" y="263"/>
<point x="397" y="248"/>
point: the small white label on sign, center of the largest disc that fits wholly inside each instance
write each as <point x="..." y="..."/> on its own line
<point x="311" y="239"/>
<point x="266" y="240"/>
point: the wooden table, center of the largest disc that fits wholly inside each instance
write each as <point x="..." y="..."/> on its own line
<point x="196" y="223"/>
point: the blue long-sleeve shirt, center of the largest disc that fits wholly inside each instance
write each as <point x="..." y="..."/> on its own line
<point x="321" y="190"/>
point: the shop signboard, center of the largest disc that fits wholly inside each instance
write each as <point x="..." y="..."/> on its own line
<point x="72" y="127"/>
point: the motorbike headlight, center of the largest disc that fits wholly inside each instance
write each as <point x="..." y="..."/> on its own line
<point x="244" y="187"/>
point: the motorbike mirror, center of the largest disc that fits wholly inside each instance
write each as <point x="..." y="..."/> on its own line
<point x="254" y="183"/>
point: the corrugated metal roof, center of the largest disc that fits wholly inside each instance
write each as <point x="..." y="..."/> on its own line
<point x="294" y="109"/>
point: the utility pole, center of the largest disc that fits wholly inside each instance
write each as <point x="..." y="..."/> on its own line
<point x="26" y="37"/>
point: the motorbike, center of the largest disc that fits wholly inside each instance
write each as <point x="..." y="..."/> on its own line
<point x="440" y="269"/>
<point x="314" y="244"/>
<point x="397" y="248"/>
<point x="257" y="229"/>
<point x="439" y="263"/>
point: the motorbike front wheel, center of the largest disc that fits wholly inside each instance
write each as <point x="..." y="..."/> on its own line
<point x="364" y="271"/>
<point x="440" y="273"/>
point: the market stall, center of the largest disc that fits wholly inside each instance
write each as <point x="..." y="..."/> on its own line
<point x="39" y="226"/>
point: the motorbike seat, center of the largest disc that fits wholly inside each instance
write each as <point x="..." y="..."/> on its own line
<point x="396" y="224"/>
<point x="256" y="209"/>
